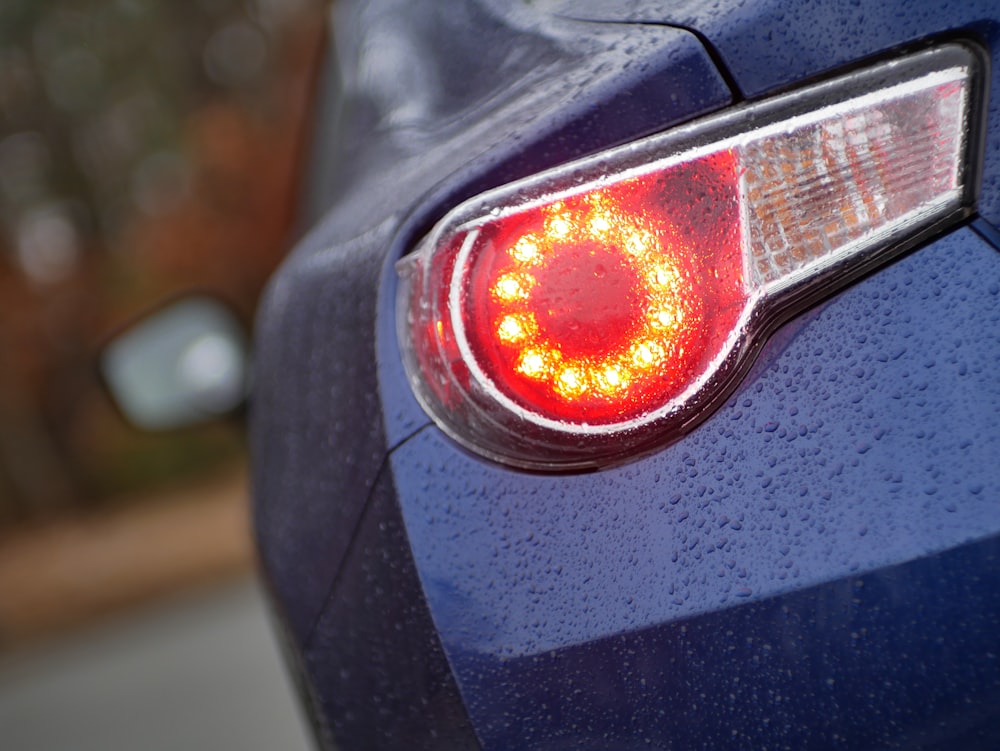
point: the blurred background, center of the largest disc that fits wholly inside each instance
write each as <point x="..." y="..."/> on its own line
<point x="147" y="148"/>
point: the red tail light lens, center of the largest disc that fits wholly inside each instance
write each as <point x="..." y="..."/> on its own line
<point x="600" y="309"/>
<point x="593" y="307"/>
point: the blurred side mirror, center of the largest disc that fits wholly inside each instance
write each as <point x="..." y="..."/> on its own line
<point x="182" y="365"/>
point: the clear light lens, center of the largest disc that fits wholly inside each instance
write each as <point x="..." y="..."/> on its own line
<point x="599" y="309"/>
<point x="820" y="189"/>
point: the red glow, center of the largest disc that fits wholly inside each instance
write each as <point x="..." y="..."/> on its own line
<point x="606" y="305"/>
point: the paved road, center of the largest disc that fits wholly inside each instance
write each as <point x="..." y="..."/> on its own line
<point x="199" y="672"/>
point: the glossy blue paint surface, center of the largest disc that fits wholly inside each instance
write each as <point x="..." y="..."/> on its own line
<point x="864" y="439"/>
<point x="813" y="567"/>
<point x="888" y="659"/>
<point x="881" y="660"/>
<point x="860" y="449"/>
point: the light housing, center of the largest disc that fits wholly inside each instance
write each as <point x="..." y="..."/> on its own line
<point x="599" y="310"/>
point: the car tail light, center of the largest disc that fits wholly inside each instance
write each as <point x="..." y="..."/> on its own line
<point x="598" y="310"/>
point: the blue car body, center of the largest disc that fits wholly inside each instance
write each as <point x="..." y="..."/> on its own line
<point x="817" y="565"/>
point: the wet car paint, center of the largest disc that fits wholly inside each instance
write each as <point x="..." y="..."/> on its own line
<point x="861" y="446"/>
<point x="823" y="547"/>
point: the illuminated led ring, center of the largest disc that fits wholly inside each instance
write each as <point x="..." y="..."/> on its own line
<point x="608" y="376"/>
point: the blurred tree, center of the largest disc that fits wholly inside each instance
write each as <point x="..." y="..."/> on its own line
<point x="146" y="147"/>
